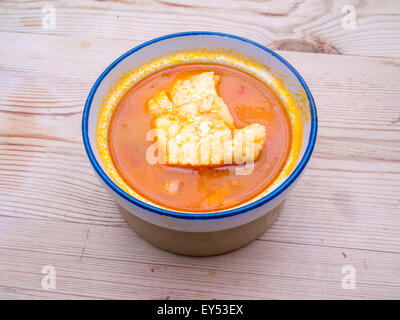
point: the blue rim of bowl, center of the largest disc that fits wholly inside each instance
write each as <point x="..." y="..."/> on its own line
<point x="211" y="215"/>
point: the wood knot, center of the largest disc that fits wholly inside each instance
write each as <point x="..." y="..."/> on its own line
<point x="301" y="45"/>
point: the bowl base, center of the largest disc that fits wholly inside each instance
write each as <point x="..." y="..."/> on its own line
<point x="201" y="243"/>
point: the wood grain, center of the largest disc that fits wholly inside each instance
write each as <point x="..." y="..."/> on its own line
<point x="344" y="210"/>
<point x="310" y="26"/>
<point x="95" y="262"/>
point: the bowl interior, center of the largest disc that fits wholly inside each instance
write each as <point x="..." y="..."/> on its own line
<point x="200" y="42"/>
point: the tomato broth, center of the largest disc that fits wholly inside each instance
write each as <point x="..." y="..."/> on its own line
<point x="201" y="189"/>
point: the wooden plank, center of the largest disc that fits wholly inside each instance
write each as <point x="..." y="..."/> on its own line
<point x="110" y="262"/>
<point x="309" y="26"/>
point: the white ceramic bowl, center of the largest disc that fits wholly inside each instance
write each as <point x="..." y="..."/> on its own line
<point x="218" y="227"/>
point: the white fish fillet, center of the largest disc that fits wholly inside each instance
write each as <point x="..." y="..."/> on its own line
<point x="194" y="126"/>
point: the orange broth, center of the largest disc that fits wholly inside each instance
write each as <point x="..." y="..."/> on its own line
<point x="202" y="189"/>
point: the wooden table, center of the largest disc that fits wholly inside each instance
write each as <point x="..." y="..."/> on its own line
<point x="343" y="216"/>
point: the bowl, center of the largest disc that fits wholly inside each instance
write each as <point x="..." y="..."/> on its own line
<point x="211" y="233"/>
